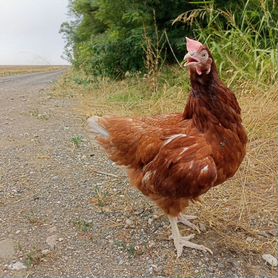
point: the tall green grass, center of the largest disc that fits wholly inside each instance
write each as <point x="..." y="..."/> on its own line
<point x="244" y="44"/>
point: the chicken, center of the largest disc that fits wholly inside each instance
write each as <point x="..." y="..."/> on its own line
<point x="173" y="159"/>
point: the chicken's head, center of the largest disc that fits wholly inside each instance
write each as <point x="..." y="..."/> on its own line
<point x="198" y="57"/>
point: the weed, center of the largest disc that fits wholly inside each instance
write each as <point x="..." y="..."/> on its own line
<point x="41" y="116"/>
<point x="33" y="218"/>
<point x="77" y="141"/>
<point x="33" y="258"/>
<point x="83" y="226"/>
<point x="100" y="198"/>
<point x="130" y="249"/>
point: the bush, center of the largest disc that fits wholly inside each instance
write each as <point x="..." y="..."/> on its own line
<point x="110" y="38"/>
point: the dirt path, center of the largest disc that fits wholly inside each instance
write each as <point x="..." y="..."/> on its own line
<point x="61" y="218"/>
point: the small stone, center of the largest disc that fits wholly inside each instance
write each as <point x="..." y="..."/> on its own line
<point x="60" y="239"/>
<point x="155" y="216"/>
<point x="17" y="232"/>
<point x="151" y="244"/>
<point x="45" y="251"/>
<point x="249" y="239"/>
<point x="202" y="227"/>
<point x="51" y="241"/>
<point x="52" y="230"/>
<point x="17" y="266"/>
<point x="150" y="221"/>
<point x="128" y="222"/>
<point x="270" y="259"/>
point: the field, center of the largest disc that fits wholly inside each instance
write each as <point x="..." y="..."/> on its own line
<point x="12" y="70"/>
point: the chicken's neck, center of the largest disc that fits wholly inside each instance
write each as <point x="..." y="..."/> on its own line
<point x="211" y="102"/>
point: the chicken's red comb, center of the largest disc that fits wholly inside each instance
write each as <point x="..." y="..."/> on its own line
<point x="192" y="45"/>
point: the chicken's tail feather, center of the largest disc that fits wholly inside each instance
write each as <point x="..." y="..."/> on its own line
<point x="96" y="127"/>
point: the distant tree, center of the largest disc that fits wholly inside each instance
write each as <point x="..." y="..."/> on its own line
<point x="108" y="37"/>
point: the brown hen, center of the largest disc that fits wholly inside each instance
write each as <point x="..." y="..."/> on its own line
<point x="173" y="159"/>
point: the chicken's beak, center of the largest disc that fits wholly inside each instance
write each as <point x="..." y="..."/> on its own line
<point x="190" y="59"/>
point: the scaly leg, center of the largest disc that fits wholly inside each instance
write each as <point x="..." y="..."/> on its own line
<point x="184" y="219"/>
<point x="181" y="242"/>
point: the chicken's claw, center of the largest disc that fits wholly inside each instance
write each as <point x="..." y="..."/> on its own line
<point x="184" y="242"/>
<point x="180" y="241"/>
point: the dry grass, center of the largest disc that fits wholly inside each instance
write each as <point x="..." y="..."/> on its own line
<point x="12" y="70"/>
<point x="245" y="206"/>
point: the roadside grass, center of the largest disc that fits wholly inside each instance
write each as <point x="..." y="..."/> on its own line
<point x="242" y="213"/>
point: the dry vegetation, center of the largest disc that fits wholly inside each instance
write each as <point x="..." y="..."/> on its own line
<point x="243" y="211"/>
<point x="12" y="70"/>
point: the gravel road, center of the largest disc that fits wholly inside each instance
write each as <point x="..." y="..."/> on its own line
<point x="65" y="210"/>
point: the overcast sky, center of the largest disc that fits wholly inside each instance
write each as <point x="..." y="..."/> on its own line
<point x="29" y="31"/>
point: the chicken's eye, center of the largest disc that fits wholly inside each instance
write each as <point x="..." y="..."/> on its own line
<point x="204" y="54"/>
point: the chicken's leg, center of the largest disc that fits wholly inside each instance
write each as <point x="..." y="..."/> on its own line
<point x="180" y="241"/>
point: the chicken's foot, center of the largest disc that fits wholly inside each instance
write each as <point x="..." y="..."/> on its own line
<point x="180" y="241"/>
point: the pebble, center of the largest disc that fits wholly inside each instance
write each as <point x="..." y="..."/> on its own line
<point x="151" y="244"/>
<point x="270" y="259"/>
<point x="249" y="239"/>
<point x="202" y="227"/>
<point x="52" y="230"/>
<point x="45" y="251"/>
<point x="51" y="241"/>
<point x="17" y="232"/>
<point x="153" y="268"/>
<point x="17" y="266"/>
<point x="150" y="221"/>
<point x="128" y="222"/>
